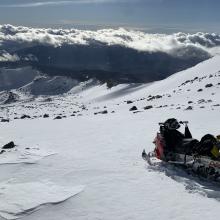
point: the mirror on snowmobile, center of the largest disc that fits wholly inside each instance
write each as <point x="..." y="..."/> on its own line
<point x="184" y="122"/>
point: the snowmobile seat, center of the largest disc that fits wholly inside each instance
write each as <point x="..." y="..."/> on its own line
<point x="187" y="146"/>
<point x="188" y="140"/>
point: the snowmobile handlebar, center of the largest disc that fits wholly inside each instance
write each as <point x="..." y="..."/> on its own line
<point x="184" y="122"/>
<point x="181" y="122"/>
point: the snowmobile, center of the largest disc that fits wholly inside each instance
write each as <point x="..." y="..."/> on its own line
<point x="173" y="147"/>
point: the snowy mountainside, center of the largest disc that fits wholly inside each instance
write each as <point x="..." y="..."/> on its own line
<point x="93" y="136"/>
<point x="44" y="85"/>
<point x="25" y="83"/>
<point x="197" y="87"/>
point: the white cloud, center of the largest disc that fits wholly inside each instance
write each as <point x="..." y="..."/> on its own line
<point x="171" y="44"/>
<point x="53" y="3"/>
<point x="5" y="57"/>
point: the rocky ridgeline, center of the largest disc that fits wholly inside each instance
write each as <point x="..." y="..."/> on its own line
<point x="201" y="79"/>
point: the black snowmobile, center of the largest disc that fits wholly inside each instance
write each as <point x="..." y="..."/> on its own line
<point x="171" y="146"/>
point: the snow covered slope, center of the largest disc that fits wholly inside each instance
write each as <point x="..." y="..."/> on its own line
<point x="98" y="143"/>
<point x="45" y="85"/>
<point x="23" y="84"/>
<point x="184" y="83"/>
<point x="31" y="196"/>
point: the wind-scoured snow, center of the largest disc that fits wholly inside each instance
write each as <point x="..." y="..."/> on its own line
<point x="21" y="154"/>
<point x="20" y="199"/>
<point x="98" y="140"/>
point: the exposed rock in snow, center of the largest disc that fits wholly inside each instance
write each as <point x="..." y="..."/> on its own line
<point x="189" y="108"/>
<point x="148" y="107"/>
<point x="25" y="116"/>
<point x="12" y="97"/>
<point x="9" y="145"/>
<point x="133" y="108"/>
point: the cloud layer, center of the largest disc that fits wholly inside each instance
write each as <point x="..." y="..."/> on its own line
<point x="108" y="53"/>
<point x="25" y="36"/>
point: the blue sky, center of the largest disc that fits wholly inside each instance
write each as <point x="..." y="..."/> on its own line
<point x="164" y="15"/>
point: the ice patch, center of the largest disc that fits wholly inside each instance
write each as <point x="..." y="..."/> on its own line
<point x="21" y="199"/>
<point x="24" y="155"/>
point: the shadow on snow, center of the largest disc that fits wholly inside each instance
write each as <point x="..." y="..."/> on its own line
<point x="192" y="182"/>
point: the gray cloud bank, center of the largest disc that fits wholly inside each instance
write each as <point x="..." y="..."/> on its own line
<point x="112" y="50"/>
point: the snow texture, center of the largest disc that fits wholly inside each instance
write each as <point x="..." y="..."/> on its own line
<point x="103" y="150"/>
<point x="20" y="199"/>
<point x="24" y="155"/>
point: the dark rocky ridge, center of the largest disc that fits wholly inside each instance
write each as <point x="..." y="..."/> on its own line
<point x="116" y="63"/>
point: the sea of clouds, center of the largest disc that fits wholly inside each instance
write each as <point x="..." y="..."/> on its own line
<point x="13" y="38"/>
